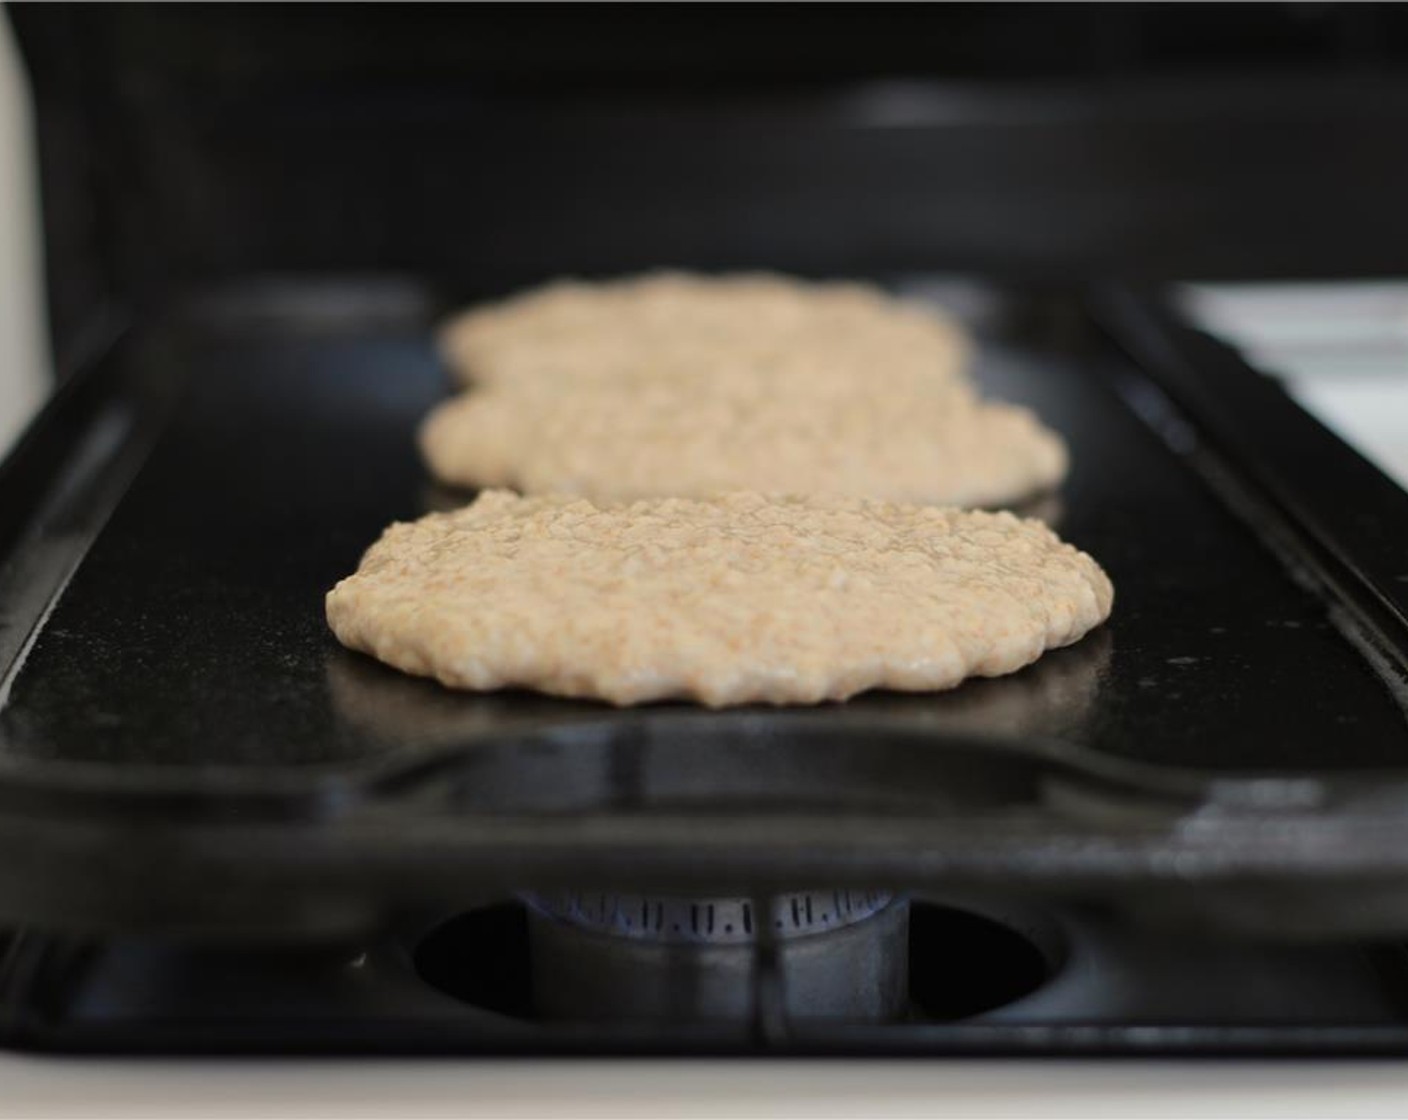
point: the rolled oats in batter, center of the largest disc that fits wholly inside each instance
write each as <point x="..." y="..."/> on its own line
<point x="678" y="385"/>
<point x="728" y="600"/>
<point x="671" y="324"/>
<point x="902" y="436"/>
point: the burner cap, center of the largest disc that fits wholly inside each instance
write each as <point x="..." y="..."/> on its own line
<point x="715" y="921"/>
<point x="839" y="954"/>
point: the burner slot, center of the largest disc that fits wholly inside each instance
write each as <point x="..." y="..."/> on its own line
<point x="819" y="955"/>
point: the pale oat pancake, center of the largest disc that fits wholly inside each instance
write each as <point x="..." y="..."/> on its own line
<point x="735" y="599"/>
<point x="902" y="436"/>
<point x="672" y="324"/>
<point x="678" y="385"/>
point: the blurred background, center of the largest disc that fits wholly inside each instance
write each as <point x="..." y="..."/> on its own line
<point x="464" y="149"/>
<point x="25" y="368"/>
<point x="481" y="146"/>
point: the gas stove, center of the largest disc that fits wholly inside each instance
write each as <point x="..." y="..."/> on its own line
<point x="1141" y="844"/>
<point x="598" y="974"/>
<point x="225" y="834"/>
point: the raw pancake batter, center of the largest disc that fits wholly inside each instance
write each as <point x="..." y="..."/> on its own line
<point x="669" y="324"/>
<point x="797" y="431"/>
<point x="735" y="599"/>
<point x="678" y="385"/>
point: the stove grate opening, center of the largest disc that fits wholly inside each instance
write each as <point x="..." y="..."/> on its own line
<point x="859" y="956"/>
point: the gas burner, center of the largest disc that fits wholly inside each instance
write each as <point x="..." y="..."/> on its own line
<point x="717" y="921"/>
<point x="840" y="954"/>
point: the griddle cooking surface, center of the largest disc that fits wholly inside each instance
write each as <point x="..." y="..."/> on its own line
<point x="193" y="636"/>
<point x="185" y="746"/>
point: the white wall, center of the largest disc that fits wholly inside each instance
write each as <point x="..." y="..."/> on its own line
<point x="24" y="351"/>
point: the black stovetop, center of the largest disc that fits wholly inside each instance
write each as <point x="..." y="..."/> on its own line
<point x="191" y="767"/>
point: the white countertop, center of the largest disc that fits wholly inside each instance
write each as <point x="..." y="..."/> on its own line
<point x="620" y="1090"/>
<point x="1341" y="349"/>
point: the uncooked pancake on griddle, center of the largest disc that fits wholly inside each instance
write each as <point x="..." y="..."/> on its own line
<point x="684" y="386"/>
<point x="793" y="432"/>
<point x="729" y="600"/>
<point x="667" y="324"/>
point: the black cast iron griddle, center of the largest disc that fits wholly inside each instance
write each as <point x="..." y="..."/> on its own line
<point x="185" y="746"/>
